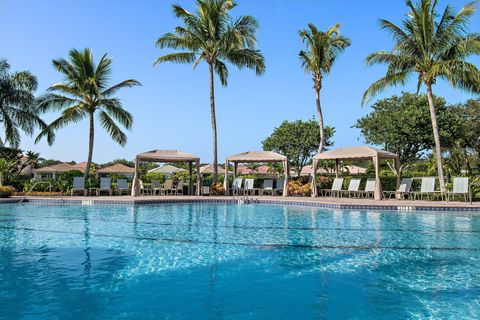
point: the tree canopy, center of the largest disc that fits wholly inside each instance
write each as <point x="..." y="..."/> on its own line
<point x="298" y="140"/>
<point x="401" y="124"/>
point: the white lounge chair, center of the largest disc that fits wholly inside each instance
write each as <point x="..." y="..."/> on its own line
<point x="353" y="188"/>
<point x="249" y="188"/>
<point x="168" y="187"/>
<point x="279" y="185"/>
<point x="369" y="190"/>
<point x="237" y="186"/>
<point x="336" y="188"/>
<point x="402" y="191"/>
<point x="267" y="187"/>
<point x="179" y="188"/>
<point x="78" y="186"/>
<point x="427" y="188"/>
<point x="105" y="186"/>
<point x="122" y="185"/>
<point x="156" y="186"/>
<point x="461" y="187"/>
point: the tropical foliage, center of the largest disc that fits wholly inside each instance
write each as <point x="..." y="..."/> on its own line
<point x="298" y="140"/>
<point x="17" y="110"/>
<point x="321" y="52"/>
<point x="401" y="124"/>
<point x="432" y="46"/>
<point x="84" y="93"/>
<point x="212" y="35"/>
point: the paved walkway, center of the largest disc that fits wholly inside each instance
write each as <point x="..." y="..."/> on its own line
<point x="308" y="201"/>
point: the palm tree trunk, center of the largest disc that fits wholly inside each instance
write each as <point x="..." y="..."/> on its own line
<point x="320" y="120"/>
<point x="90" y="146"/>
<point x="436" y="136"/>
<point x="214" y="124"/>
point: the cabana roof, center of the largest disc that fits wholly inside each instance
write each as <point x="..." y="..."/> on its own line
<point x="117" y="168"/>
<point x="167" y="156"/>
<point x="355" y="153"/>
<point x="257" y="156"/>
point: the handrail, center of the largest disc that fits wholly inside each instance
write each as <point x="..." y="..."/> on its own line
<point x="33" y="186"/>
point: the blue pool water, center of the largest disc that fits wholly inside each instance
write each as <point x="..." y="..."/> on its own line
<point x="236" y="262"/>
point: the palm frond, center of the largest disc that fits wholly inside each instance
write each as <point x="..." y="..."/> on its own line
<point x="384" y="83"/>
<point x="109" y="125"/>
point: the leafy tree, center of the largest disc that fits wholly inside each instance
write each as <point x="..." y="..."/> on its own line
<point x="401" y="124"/>
<point x="432" y="46"/>
<point x="472" y="123"/>
<point x="322" y="50"/>
<point x="211" y="35"/>
<point x="298" y="140"/>
<point x="125" y="162"/>
<point x="17" y="110"/>
<point x="85" y="92"/>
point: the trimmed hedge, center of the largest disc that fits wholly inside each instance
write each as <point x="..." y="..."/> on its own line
<point x="6" y="191"/>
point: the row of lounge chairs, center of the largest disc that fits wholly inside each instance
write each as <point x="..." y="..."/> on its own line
<point x="157" y="188"/>
<point x="247" y="188"/>
<point x="427" y="189"/>
<point x="105" y="187"/>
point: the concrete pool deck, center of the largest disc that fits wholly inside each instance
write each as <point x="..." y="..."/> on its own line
<point x="320" y="202"/>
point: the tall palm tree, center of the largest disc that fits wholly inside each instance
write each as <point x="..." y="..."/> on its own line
<point x="211" y="35"/>
<point x="431" y="46"/>
<point x="322" y="49"/>
<point x="83" y="93"/>
<point x="17" y="111"/>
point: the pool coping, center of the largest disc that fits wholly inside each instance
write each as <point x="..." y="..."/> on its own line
<point x="399" y="205"/>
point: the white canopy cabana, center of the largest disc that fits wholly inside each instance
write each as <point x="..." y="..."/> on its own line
<point x="256" y="156"/>
<point x="356" y="153"/>
<point x="167" y="156"/>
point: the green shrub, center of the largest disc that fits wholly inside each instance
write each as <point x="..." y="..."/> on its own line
<point x="6" y="191"/>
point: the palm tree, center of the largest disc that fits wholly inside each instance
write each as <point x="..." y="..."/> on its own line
<point x="322" y="49"/>
<point x="17" y="111"/>
<point x="213" y="36"/>
<point x="83" y="93"/>
<point x="431" y="46"/>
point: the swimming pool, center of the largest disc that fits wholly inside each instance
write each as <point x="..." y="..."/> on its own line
<point x="205" y="261"/>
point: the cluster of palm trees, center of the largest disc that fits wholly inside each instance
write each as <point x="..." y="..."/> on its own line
<point x="428" y="44"/>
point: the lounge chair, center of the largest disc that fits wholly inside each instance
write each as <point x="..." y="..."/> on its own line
<point x="237" y="186"/>
<point x="122" y="185"/>
<point x="156" y="186"/>
<point x="460" y="188"/>
<point x="105" y="186"/>
<point x="427" y="189"/>
<point x="353" y="188"/>
<point x="279" y="186"/>
<point x="402" y="191"/>
<point x="335" y="190"/>
<point x="179" y="188"/>
<point x="249" y="188"/>
<point x="78" y="186"/>
<point x="168" y="187"/>
<point x="267" y="187"/>
<point x="369" y="190"/>
<point x="144" y="190"/>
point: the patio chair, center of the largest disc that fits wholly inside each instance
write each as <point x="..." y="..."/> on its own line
<point x="279" y="186"/>
<point x="353" y="188"/>
<point x="461" y="187"/>
<point x="369" y="190"/>
<point x="402" y="191"/>
<point x="78" y="186"/>
<point x="237" y="186"/>
<point x="335" y="190"/>
<point x="427" y="188"/>
<point x="179" y="188"/>
<point x="105" y="186"/>
<point x="168" y="187"/>
<point x="156" y="186"/>
<point x="267" y="187"/>
<point x="249" y="188"/>
<point x="122" y="185"/>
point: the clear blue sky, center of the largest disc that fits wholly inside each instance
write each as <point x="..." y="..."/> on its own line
<point x="171" y="109"/>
